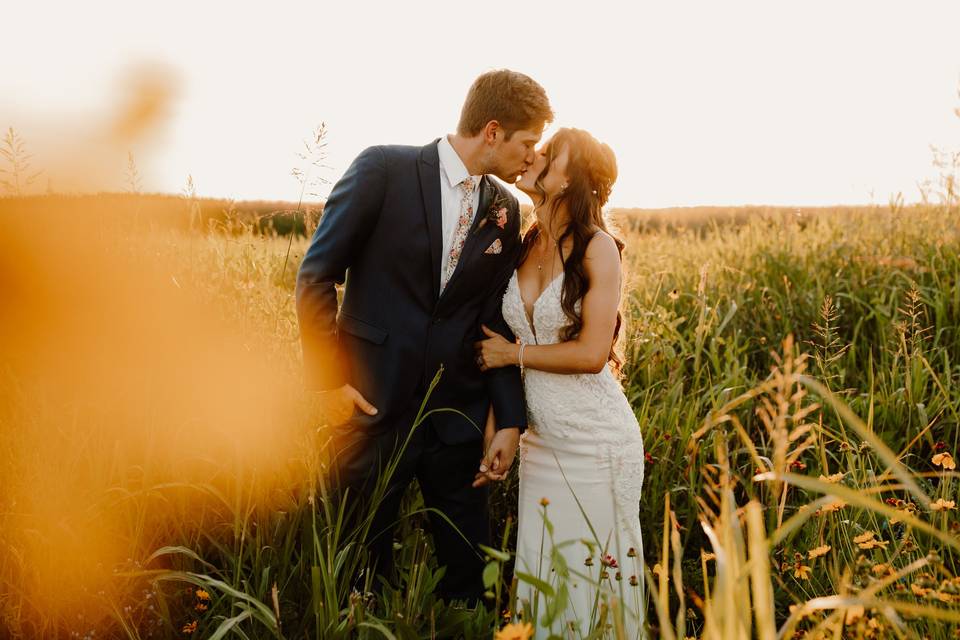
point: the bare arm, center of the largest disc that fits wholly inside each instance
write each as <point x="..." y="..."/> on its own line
<point x="589" y="351"/>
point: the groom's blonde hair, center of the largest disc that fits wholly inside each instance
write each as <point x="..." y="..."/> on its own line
<point x="513" y="99"/>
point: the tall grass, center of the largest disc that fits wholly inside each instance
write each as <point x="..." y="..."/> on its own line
<point x="873" y="296"/>
<point x="796" y="475"/>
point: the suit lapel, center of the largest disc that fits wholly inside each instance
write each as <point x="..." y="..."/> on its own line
<point x="478" y="234"/>
<point x="429" y="168"/>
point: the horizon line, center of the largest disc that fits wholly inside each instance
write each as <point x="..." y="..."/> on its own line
<point x="609" y="207"/>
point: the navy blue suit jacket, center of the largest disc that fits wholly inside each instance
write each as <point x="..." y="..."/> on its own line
<point x="381" y="234"/>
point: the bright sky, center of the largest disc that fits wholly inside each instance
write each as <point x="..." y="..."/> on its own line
<point x="814" y="102"/>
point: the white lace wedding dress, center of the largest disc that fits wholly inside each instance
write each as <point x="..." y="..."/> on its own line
<point x="581" y="465"/>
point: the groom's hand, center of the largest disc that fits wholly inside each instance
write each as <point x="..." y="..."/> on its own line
<point x="499" y="456"/>
<point x="340" y="403"/>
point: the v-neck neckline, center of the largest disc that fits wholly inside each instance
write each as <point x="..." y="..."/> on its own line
<point x="531" y="316"/>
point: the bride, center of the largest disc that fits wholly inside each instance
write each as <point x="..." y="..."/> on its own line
<point x="579" y="552"/>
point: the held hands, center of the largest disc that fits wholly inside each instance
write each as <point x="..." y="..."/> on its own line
<point x="495" y="351"/>
<point x="500" y="447"/>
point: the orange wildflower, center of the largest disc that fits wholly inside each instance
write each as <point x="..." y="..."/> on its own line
<point x="854" y="613"/>
<point x="836" y="505"/>
<point x="515" y="631"/>
<point x="819" y="551"/>
<point x="868" y="541"/>
<point x="906" y="509"/>
<point x="944" y="460"/>
<point x="943" y="596"/>
<point x="943" y="505"/>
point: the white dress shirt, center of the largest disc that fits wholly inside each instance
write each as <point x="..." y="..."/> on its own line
<point x="452" y="173"/>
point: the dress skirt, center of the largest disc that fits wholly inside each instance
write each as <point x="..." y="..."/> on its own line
<point x="579" y="533"/>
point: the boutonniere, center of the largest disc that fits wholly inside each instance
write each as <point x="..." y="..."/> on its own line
<point x="497" y="213"/>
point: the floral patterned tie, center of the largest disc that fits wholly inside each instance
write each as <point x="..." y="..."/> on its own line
<point x="463" y="227"/>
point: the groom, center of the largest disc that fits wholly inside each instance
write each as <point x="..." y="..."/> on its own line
<point x="426" y="242"/>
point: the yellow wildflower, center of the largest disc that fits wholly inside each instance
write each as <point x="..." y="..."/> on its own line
<point x="918" y="590"/>
<point x="909" y="509"/>
<point x="202" y="595"/>
<point x="943" y="596"/>
<point x="801" y="571"/>
<point x="836" y="505"/>
<point x="943" y="505"/>
<point x="874" y="544"/>
<point x="944" y="460"/>
<point x="819" y="551"/>
<point x="854" y="613"/>
<point x="868" y="540"/>
<point x="834" y="479"/>
<point x="515" y="631"/>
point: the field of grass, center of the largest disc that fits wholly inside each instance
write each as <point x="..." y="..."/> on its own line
<point x="796" y="374"/>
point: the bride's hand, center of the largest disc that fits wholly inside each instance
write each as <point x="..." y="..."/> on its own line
<point x="495" y="351"/>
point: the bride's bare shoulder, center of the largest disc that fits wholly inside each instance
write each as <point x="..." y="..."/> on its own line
<point x="602" y="247"/>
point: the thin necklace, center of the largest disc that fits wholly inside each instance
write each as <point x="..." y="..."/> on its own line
<point x="543" y="251"/>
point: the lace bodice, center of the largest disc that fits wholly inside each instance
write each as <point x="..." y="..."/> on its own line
<point x="586" y="407"/>
<point x="566" y="405"/>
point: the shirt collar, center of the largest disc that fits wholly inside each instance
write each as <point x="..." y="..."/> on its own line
<point x="451" y="164"/>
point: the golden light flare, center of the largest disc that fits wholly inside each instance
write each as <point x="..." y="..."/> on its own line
<point x="82" y="152"/>
<point x="144" y="102"/>
<point x="128" y="385"/>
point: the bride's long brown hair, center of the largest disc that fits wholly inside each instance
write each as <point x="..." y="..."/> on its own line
<point x="592" y="170"/>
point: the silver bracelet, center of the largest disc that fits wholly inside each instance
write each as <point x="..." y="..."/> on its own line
<point x="520" y="356"/>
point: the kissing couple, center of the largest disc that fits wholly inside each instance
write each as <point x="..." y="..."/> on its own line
<point x="437" y="272"/>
